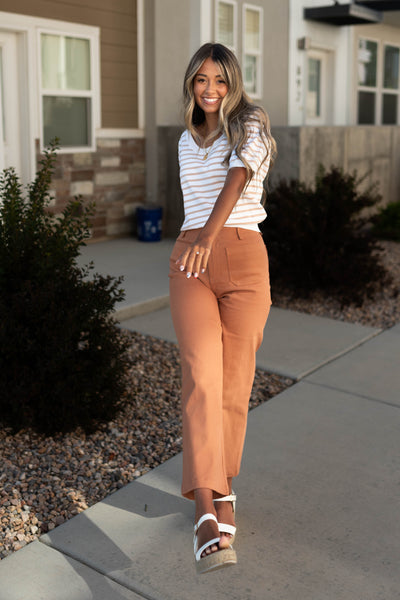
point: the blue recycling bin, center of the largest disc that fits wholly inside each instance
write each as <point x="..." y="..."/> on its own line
<point x="149" y="223"/>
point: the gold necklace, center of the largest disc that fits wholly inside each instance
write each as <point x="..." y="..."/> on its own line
<point x="208" y="150"/>
<point x="207" y="153"/>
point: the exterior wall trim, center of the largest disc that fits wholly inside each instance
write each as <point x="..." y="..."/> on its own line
<point x="141" y="65"/>
<point x="17" y="22"/>
<point x="120" y="133"/>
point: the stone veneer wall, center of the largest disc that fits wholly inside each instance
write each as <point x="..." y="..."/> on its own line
<point x="113" y="177"/>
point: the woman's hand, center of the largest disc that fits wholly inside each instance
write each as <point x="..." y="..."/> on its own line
<point x="195" y="258"/>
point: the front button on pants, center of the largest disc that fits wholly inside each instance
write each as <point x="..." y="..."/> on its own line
<point x="219" y="320"/>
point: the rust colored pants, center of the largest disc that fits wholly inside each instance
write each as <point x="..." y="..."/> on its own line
<point x="219" y="320"/>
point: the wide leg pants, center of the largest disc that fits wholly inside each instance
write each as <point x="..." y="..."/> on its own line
<point x="219" y="320"/>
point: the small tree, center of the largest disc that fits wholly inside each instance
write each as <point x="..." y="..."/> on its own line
<point x="62" y="362"/>
<point x="318" y="240"/>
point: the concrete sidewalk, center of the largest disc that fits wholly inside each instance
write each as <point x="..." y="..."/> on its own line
<point x="318" y="493"/>
<point x="144" y="267"/>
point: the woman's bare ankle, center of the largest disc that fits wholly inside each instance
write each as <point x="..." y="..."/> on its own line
<point x="203" y="498"/>
<point x="209" y="529"/>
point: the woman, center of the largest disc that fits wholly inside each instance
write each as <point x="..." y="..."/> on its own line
<point x="219" y="287"/>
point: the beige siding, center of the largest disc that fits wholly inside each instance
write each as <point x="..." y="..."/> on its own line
<point x="276" y="60"/>
<point x="172" y="54"/>
<point x="118" y="34"/>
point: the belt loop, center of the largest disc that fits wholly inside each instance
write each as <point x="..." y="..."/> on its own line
<point x="183" y="234"/>
<point x="238" y="233"/>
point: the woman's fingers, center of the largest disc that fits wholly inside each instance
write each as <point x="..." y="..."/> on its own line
<point x="190" y="263"/>
<point x="194" y="260"/>
<point x="196" y="264"/>
<point x="204" y="260"/>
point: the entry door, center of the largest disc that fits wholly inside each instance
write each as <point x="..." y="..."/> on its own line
<point x="10" y="102"/>
<point x="317" y="101"/>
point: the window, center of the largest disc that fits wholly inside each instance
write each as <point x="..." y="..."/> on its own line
<point x="318" y="87"/>
<point x="390" y="100"/>
<point x="226" y="24"/>
<point x="252" y="40"/>
<point x="252" y="49"/>
<point x="67" y="90"/>
<point x="314" y="88"/>
<point x="378" y="83"/>
<point x="367" y="81"/>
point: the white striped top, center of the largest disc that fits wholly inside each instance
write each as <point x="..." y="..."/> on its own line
<point x="203" y="176"/>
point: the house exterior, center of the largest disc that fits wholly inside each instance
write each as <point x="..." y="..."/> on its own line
<point x="106" y="77"/>
<point x="331" y="87"/>
<point x="71" y="69"/>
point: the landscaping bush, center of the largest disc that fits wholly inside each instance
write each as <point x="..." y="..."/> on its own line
<point x="318" y="240"/>
<point x="387" y="222"/>
<point x="62" y="361"/>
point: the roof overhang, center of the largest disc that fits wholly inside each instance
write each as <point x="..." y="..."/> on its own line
<point x="380" y="4"/>
<point x="344" y="14"/>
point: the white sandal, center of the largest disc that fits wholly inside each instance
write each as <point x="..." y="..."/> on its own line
<point x="224" y="527"/>
<point x="216" y="560"/>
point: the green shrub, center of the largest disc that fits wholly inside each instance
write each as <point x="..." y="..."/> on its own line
<point x="318" y="240"/>
<point x="387" y="222"/>
<point x="62" y="362"/>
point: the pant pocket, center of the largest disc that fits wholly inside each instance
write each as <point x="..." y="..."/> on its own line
<point x="247" y="263"/>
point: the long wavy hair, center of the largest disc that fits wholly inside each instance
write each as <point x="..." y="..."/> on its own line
<point x="236" y="109"/>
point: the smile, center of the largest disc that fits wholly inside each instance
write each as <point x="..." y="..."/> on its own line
<point x="210" y="100"/>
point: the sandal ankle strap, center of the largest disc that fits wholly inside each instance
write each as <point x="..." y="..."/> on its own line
<point x="230" y="498"/>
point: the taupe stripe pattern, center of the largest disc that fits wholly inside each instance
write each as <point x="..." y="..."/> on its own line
<point x="203" y="176"/>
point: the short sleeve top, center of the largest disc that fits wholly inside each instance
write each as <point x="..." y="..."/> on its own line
<point x="203" y="174"/>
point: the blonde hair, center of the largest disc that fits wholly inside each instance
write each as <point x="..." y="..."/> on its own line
<point x="237" y="110"/>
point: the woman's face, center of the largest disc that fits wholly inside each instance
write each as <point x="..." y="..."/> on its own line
<point x="209" y="87"/>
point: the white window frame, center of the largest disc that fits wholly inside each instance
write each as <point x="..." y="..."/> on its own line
<point x="10" y="136"/>
<point x="389" y="91"/>
<point x="372" y="89"/>
<point x="259" y="53"/>
<point x="323" y="58"/>
<point x="93" y="94"/>
<point x="378" y="89"/>
<point x="26" y="28"/>
<point x="235" y="24"/>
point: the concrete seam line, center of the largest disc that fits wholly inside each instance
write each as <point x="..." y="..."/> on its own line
<point x="133" y="588"/>
<point x="300" y="376"/>
<point x="341" y="353"/>
<point x="350" y="393"/>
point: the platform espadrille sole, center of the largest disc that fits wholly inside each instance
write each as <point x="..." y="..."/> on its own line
<point x="217" y="560"/>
